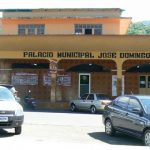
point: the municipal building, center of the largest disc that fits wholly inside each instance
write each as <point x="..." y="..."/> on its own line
<point x="60" y="54"/>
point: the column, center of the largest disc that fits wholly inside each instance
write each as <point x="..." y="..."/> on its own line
<point x="53" y="72"/>
<point x="5" y="69"/>
<point x="119" y="77"/>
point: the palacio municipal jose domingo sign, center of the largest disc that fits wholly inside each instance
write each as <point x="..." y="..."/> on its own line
<point x="85" y="55"/>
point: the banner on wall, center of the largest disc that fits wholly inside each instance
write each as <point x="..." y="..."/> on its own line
<point x="47" y="79"/>
<point x="62" y="79"/>
<point x="114" y="85"/>
<point x="24" y="79"/>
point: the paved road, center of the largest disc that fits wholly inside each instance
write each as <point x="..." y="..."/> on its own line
<point x="65" y="130"/>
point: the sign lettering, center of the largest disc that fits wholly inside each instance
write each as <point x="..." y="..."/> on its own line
<point x="85" y="55"/>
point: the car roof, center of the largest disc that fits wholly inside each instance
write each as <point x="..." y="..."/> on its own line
<point x="9" y="86"/>
<point x="140" y="96"/>
<point x="97" y="93"/>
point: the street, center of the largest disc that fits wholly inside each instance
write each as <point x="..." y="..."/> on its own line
<point x="65" y="130"/>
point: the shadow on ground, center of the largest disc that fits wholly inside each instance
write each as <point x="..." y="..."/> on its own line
<point x="117" y="139"/>
<point x="61" y="111"/>
<point x="4" y="133"/>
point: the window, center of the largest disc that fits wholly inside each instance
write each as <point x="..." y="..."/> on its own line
<point x="84" y="96"/>
<point x="21" y="30"/>
<point x="142" y="81"/>
<point x="90" y="97"/>
<point x="122" y="102"/>
<point x="95" y="29"/>
<point x="31" y="29"/>
<point x="88" y="31"/>
<point x="102" y="97"/>
<point x="133" y="103"/>
<point x="148" y="81"/>
<point x="40" y="29"/>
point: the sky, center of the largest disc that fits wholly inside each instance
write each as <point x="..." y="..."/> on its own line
<point x="139" y="10"/>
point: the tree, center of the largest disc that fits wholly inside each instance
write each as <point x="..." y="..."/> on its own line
<point x="139" y="29"/>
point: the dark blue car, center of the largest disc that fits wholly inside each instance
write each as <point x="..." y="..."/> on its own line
<point x="129" y="114"/>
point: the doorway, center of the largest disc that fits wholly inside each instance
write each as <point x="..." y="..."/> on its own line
<point x="88" y="31"/>
<point x="84" y="83"/>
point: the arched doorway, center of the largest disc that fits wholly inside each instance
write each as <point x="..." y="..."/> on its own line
<point x="88" y="76"/>
<point x="85" y="71"/>
<point x="137" y="77"/>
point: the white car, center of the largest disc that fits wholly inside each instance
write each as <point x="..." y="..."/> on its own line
<point x="92" y="102"/>
<point x="11" y="112"/>
<point x="13" y="90"/>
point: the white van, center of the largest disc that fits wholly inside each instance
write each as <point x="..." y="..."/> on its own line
<point x="11" y="112"/>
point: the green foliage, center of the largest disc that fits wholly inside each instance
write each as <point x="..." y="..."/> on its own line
<point x="139" y="28"/>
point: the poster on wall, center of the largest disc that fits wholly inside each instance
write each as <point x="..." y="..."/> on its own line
<point x="64" y="79"/>
<point x="67" y="80"/>
<point x="24" y="79"/>
<point x="47" y="79"/>
<point x="114" y="85"/>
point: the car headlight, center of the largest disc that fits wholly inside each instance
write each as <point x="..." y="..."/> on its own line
<point x="19" y="112"/>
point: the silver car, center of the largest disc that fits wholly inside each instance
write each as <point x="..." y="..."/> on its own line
<point x="92" y="102"/>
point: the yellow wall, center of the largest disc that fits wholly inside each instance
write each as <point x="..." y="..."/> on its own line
<point x="10" y="29"/>
<point x="59" y="29"/>
<point x="110" y="26"/>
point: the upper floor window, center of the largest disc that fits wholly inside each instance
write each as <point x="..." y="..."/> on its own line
<point x="88" y="29"/>
<point x="31" y="29"/>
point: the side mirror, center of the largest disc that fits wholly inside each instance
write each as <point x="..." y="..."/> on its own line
<point x="18" y="99"/>
<point x="137" y="111"/>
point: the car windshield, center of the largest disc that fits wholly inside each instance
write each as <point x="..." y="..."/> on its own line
<point x="146" y="105"/>
<point x="6" y="95"/>
<point x="102" y="97"/>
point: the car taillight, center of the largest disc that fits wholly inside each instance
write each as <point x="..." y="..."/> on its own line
<point x="106" y="102"/>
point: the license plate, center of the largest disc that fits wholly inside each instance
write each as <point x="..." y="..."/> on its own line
<point x="3" y="119"/>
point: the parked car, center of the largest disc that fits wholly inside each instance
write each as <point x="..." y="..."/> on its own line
<point x="11" y="112"/>
<point x="92" y="102"/>
<point x="129" y="114"/>
<point x="13" y="90"/>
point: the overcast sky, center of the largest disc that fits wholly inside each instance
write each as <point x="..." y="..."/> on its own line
<point x="139" y="10"/>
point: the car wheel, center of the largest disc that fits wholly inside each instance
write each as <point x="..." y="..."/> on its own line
<point x="147" y="138"/>
<point x="109" y="130"/>
<point x="18" y="130"/>
<point x="93" y="109"/>
<point x="72" y="107"/>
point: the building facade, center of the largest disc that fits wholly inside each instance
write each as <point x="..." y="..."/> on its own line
<point x="60" y="54"/>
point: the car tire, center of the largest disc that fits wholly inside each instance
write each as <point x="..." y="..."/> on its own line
<point x="18" y="130"/>
<point x="109" y="129"/>
<point x="72" y="107"/>
<point x="93" y="109"/>
<point x="147" y="137"/>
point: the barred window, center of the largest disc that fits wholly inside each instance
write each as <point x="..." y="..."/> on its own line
<point x="31" y="29"/>
<point x="95" y="29"/>
<point x="40" y="29"/>
<point x="21" y="30"/>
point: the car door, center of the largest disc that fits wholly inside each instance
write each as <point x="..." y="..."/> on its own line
<point x="135" y="122"/>
<point x="89" y="101"/>
<point x="82" y="102"/>
<point x="118" y="114"/>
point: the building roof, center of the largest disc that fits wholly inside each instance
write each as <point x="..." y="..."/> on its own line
<point x="61" y="9"/>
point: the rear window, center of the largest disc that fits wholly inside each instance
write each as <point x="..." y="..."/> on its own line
<point x="6" y="95"/>
<point x="102" y="97"/>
